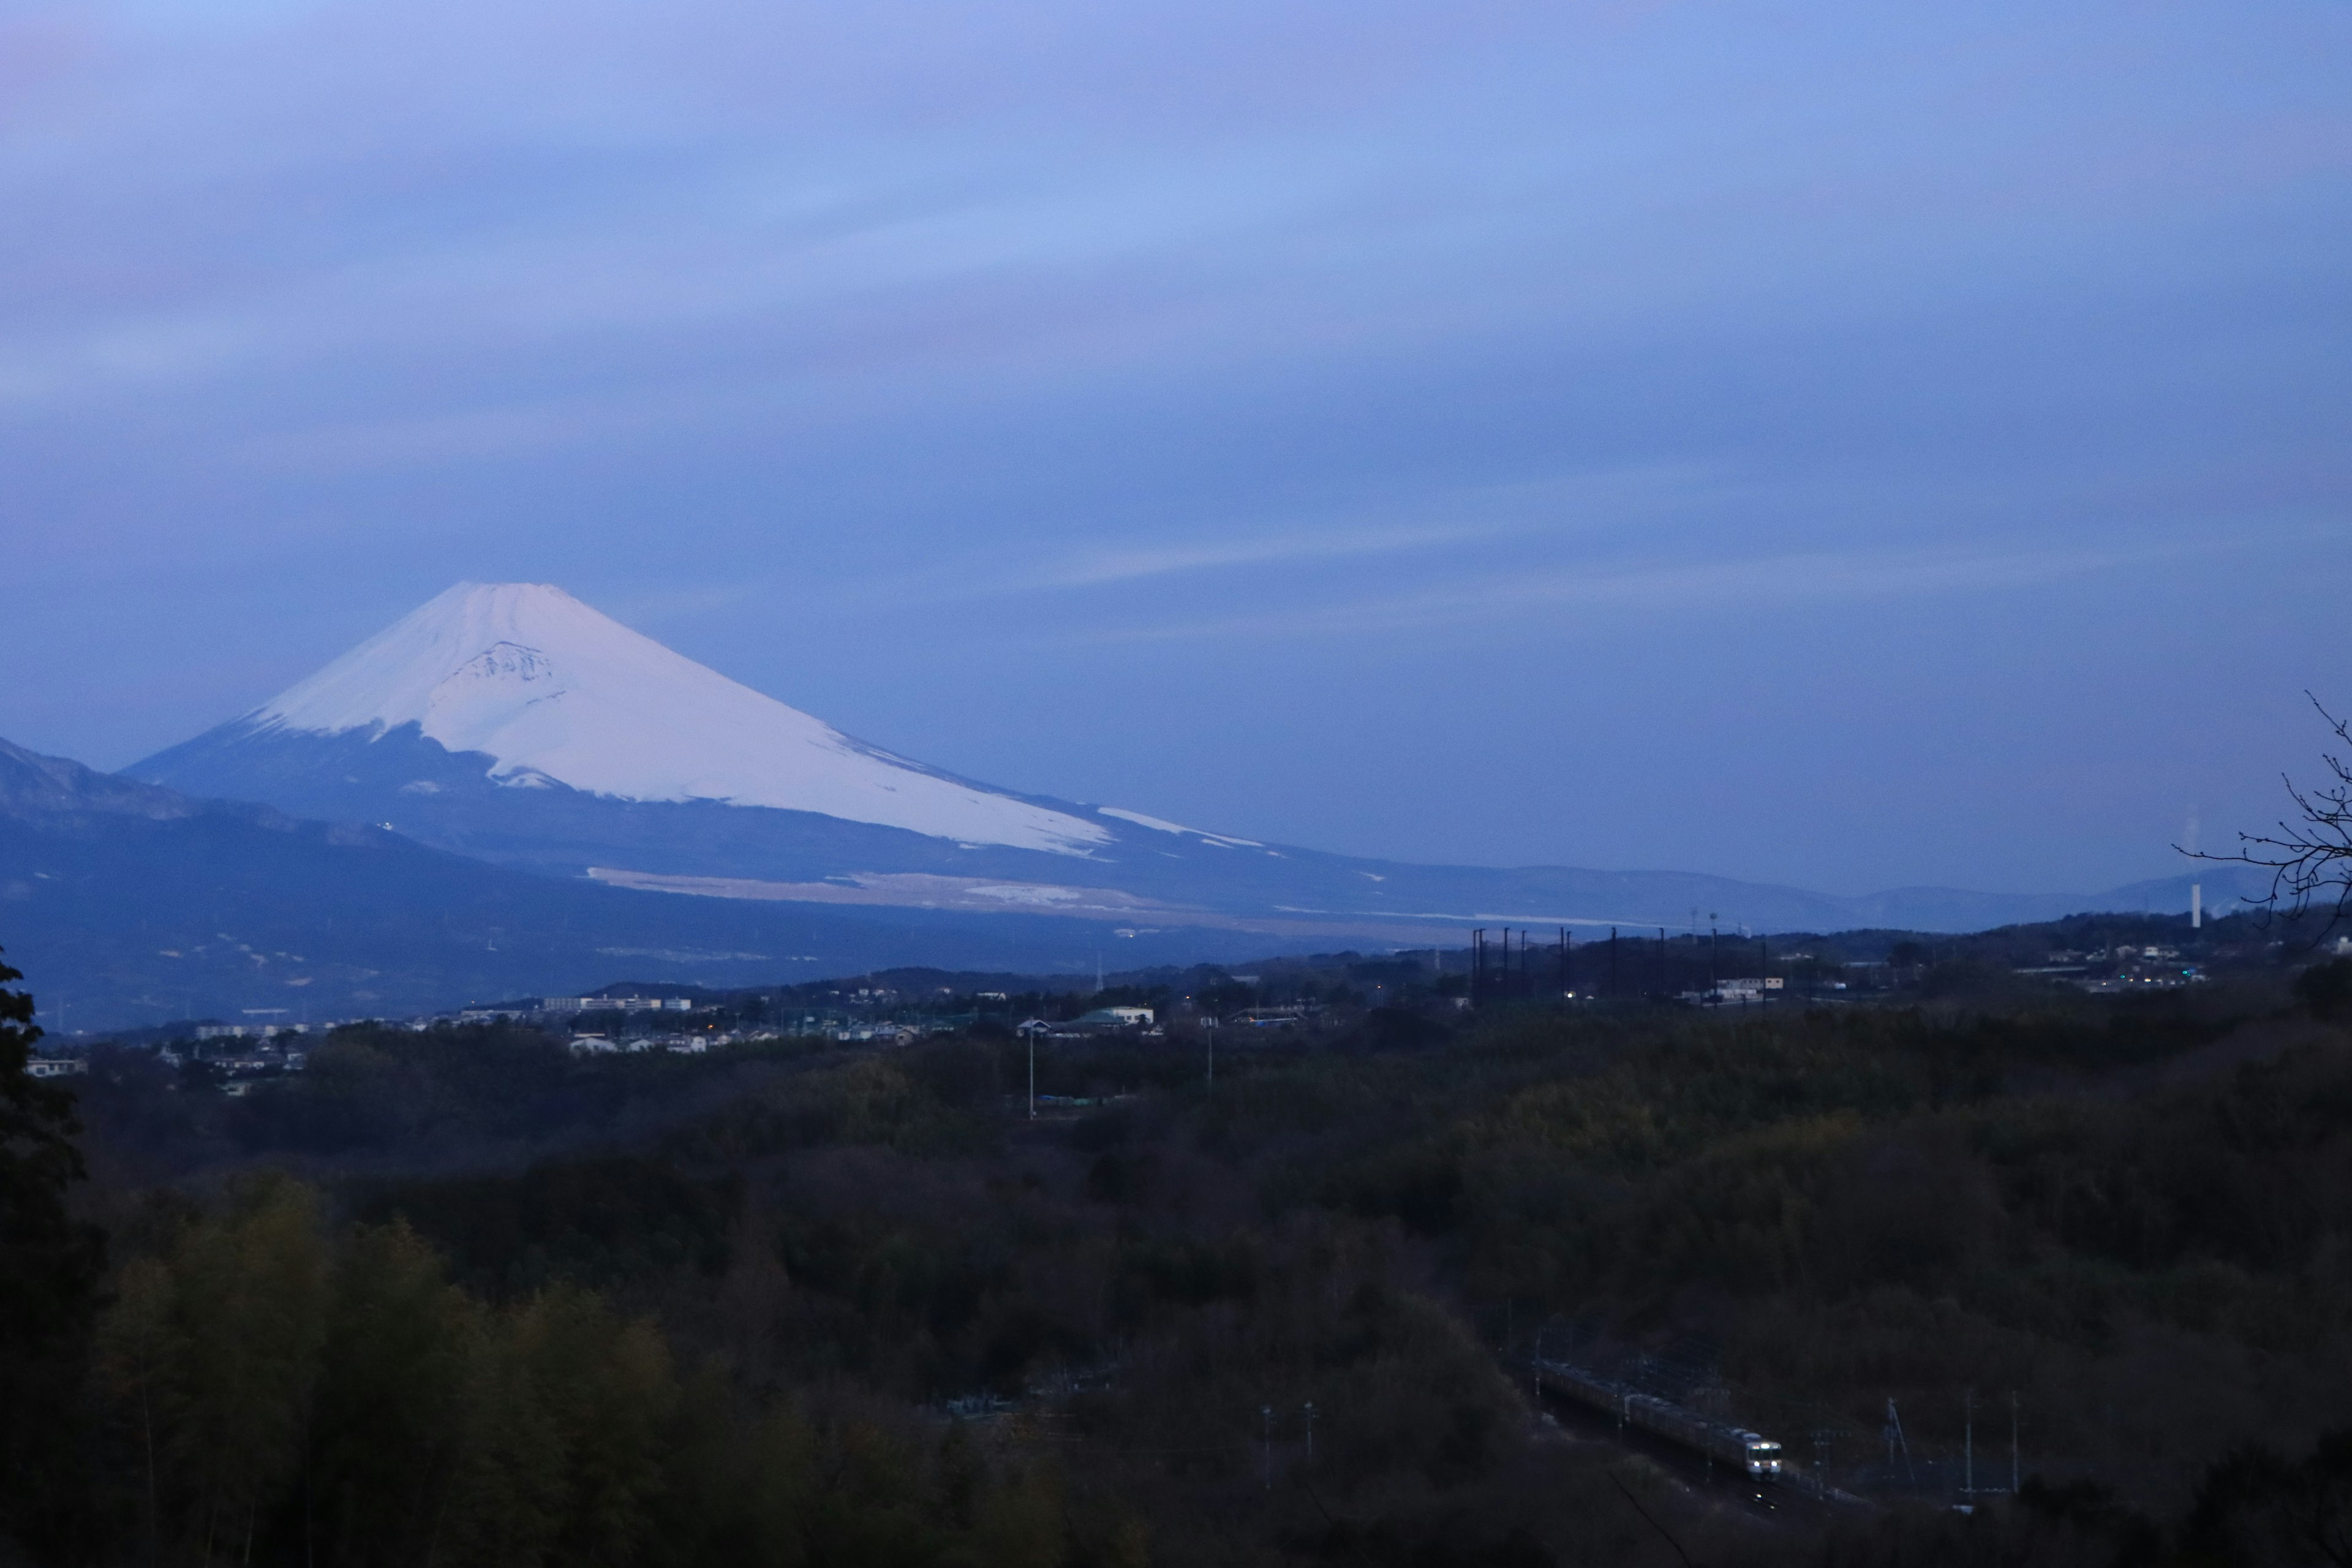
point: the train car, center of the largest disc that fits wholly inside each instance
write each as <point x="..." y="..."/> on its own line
<point x="1749" y="1451"/>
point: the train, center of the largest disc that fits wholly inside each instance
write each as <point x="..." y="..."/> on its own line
<point x="1749" y="1451"/>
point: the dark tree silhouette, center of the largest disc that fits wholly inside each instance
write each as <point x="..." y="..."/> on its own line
<point x="2309" y="860"/>
<point x="2258" y="1506"/>
<point x="49" y="1267"/>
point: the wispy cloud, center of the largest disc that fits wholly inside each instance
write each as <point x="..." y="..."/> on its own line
<point x="1095" y="568"/>
<point x="1564" y="504"/>
<point x="662" y="606"/>
<point x="431" y="439"/>
<point x="1556" y="508"/>
<point x="1777" y="580"/>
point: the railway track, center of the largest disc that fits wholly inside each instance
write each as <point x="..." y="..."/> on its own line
<point x="1740" y="1466"/>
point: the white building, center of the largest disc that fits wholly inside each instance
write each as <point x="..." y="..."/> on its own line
<point x="1116" y="1018"/>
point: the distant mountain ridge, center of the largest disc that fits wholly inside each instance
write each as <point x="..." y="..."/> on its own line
<point x="512" y="724"/>
<point x="32" y="785"/>
<point x="128" y="904"/>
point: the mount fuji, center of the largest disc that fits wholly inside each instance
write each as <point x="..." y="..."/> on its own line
<point x="511" y="723"/>
<point x="556" y="694"/>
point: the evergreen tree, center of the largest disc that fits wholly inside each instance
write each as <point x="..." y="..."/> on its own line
<point x="391" y="1390"/>
<point x="503" y="1506"/>
<point x="214" y="1360"/>
<point x="50" y="1267"/>
<point x="607" y="1382"/>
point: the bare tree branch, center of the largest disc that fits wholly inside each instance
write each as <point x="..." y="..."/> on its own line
<point x="2309" y="860"/>
<point x="1653" y="1523"/>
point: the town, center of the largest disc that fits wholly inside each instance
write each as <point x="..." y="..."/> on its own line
<point x="1295" y="999"/>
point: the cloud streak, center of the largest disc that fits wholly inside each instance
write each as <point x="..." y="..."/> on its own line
<point x="1769" y="581"/>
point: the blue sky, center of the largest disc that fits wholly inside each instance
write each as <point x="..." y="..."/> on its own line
<point x="1841" y="445"/>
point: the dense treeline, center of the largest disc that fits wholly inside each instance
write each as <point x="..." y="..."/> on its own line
<point x="837" y="1308"/>
<point x="447" y="1096"/>
<point x="272" y="1393"/>
<point x="1866" y="1207"/>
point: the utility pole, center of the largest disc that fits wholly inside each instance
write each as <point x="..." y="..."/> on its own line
<point x="1033" y="1074"/>
<point x="1969" y="1450"/>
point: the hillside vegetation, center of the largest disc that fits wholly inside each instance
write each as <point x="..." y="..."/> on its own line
<point x="459" y="1297"/>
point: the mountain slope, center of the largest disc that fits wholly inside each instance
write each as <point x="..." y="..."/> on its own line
<point x="127" y="904"/>
<point x="556" y="693"/>
<point x="512" y="724"/>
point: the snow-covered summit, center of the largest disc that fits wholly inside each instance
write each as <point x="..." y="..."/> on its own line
<point x="556" y="691"/>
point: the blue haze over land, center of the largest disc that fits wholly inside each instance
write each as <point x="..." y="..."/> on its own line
<point x="137" y="905"/>
<point x="1829" y="446"/>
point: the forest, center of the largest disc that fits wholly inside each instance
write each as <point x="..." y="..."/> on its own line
<point x="461" y="1296"/>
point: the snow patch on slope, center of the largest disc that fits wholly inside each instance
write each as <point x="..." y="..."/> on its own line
<point x="556" y="691"/>
<point x="1159" y="825"/>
